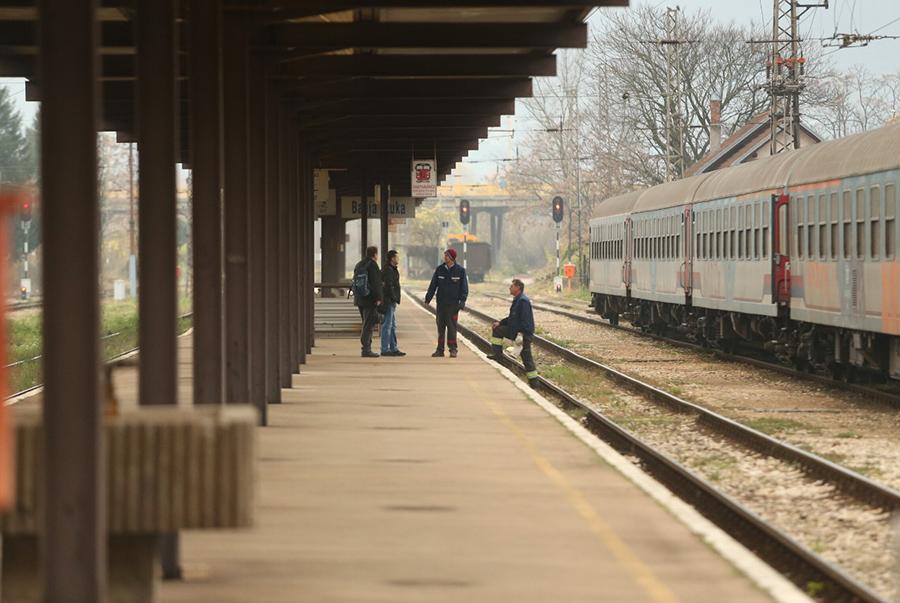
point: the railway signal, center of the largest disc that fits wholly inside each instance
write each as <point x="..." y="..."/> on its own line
<point x="556" y="207"/>
<point x="464" y="211"/>
<point x="26" y="211"/>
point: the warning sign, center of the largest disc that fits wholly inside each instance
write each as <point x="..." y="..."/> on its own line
<point x="424" y="178"/>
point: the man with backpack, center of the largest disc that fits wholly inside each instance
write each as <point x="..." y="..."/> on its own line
<point x="452" y="288"/>
<point x="367" y="295"/>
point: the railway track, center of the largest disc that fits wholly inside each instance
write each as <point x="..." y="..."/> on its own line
<point x="873" y="394"/>
<point x="776" y="547"/>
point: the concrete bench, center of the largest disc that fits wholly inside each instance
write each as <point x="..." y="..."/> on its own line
<point x="168" y="469"/>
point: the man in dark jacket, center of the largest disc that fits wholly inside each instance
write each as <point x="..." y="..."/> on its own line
<point x="390" y="279"/>
<point x="520" y="320"/>
<point x="452" y="287"/>
<point x="368" y="303"/>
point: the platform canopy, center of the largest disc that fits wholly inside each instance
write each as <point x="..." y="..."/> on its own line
<point x="373" y="82"/>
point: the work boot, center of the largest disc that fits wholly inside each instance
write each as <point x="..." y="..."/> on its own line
<point x="533" y="383"/>
<point x="453" y="353"/>
<point x="369" y="354"/>
<point x="438" y="354"/>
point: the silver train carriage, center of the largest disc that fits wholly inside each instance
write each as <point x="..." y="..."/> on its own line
<point x="795" y="253"/>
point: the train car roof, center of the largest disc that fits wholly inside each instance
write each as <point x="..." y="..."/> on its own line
<point x="855" y="155"/>
<point x="620" y="204"/>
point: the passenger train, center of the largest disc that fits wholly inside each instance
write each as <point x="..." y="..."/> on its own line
<point x="794" y="253"/>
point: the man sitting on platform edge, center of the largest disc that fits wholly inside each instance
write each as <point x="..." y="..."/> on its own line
<point x="452" y="287"/>
<point x="367" y="295"/>
<point x="520" y="320"/>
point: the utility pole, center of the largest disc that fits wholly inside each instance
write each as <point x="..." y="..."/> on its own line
<point x="132" y="263"/>
<point x="786" y="69"/>
<point x="674" y="119"/>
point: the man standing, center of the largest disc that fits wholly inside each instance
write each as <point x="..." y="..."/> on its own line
<point x="520" y="320"/>
<point x="452" y="288"/>
<point x="390" y="278"/>
<point x="367" y="295"/>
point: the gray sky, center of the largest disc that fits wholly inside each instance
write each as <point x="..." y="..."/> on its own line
<point x="857" y="16"/>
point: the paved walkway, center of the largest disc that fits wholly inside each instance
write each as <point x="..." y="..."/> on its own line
<point x="424" y="479"/>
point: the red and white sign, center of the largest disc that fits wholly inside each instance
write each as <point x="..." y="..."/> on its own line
<point x="424" y="178"/>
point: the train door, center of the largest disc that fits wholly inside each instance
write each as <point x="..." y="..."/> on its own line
<point x="626" y="256"/>
<point x="781" y="261"/>
<point x="687" y="236"/>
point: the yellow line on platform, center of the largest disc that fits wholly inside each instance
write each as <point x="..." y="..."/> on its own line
<point x="626" y="557"/>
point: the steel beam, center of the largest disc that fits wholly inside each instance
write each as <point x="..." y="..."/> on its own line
<point x="378" y="107"/>
<point x="374" y="34"/>
<point x="286" y="10"/>
<point x="257" y="236"/>
<point x="435" y="122"/>
<point x="72" y="537"/>
<point x="206" y="180"/>
<point x="237" y="384"/>
<point x="380" y="65"/>
<point x="402" y="88"/>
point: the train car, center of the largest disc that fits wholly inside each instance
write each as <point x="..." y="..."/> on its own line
<point x="795" y="253"/>
<point x="419" y="261"/>
<point x="477" y="258"/>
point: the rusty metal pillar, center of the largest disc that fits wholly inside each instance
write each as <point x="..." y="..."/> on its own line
<point x="257" y="239"/>
<point x="206" y="180"/>
<point x="284" y="254"/>
<point x="383" y="207"/>
<point x="72" y="538"/>
<point x="235" y="69"/>
<point x="157" y="119"/>
<point x="273" y="261"/>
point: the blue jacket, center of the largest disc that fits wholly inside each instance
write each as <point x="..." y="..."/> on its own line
<point x="521" y="317"/>
<point x="451" y="285"/>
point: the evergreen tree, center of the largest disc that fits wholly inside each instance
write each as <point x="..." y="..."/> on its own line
<point x="13" y="147"/>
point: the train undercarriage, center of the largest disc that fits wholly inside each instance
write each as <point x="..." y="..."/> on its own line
<point x="848" y="355"/>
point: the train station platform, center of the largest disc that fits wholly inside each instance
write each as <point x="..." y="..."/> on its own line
<point x="429" y="479"/>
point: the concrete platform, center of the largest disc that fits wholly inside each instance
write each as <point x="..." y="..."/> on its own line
<point x="425" y="479"/>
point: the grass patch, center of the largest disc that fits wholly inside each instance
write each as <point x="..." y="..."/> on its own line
<point x="777" y="425"/>
<point x="118" y="333"/>
<point x="848" y="435"/>
<point x="715" y="465"/>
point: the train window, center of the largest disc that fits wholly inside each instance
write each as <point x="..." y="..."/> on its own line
<point x="860" y="223"/>
<point x="822" y="220"/>
<point x="799" y="245"/>
<point x="890" y="214"/>
<point x="765" y="242"/>
<point x="783" y="233"/>
<point x="833" y="239"/>
<point x="845" y="214"/>
<point x="875" y="222"/>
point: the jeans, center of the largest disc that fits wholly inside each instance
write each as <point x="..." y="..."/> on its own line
<point x="389" y="329"/>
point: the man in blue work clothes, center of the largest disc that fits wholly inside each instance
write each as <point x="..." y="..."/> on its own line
<point x="452" y="288"/>
<point x="520" y="320"/>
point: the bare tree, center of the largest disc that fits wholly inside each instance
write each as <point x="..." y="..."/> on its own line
<point x="852" y="101"/>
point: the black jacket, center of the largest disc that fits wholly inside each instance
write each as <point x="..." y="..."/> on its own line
<point x="521" y="317"/>
<point x="390" y="278"/>
<point x="375" y="291"/>
<point x="451" y="285"/>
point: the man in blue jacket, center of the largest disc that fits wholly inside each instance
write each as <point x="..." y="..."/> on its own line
<point x="520" y="320"/>
<point x="452" y="287"/>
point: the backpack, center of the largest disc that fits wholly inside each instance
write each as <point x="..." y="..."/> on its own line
<point x="360" y="286"/>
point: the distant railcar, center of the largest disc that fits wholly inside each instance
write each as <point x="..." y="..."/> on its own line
<point x="794" y="253"/>
<point x="477" y="258"/>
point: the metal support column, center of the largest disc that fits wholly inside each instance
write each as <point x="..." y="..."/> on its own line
<point x="364" y="220"/>
<point x="293" y="221"/>
<point x="273" y="261"/>
<point x="384" y="217"/>
<point x="300" y="308"/>
<point x="157" y="71"/>
<point x="310" y="259"/>
<point x="237" y="384"/>
<point x="206" y="180"/>
<point x="257" y="239"/>
<point x="284" y="254"/>
<point x="72" y="538"/>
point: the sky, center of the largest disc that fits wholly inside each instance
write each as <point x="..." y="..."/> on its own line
<point x="844" y="16"/>
<point x="858" y="16"/>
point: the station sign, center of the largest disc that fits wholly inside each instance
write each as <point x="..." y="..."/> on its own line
<point x="324" y="198"/>
<point x="424" y="178"/>
<point x="398" y="207"/>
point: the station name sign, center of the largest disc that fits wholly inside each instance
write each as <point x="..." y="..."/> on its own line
<point x="398" y="207"/>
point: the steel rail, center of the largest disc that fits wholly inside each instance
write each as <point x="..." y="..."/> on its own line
<point x="873" y="394"/>
<point x="779" y="550"/>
